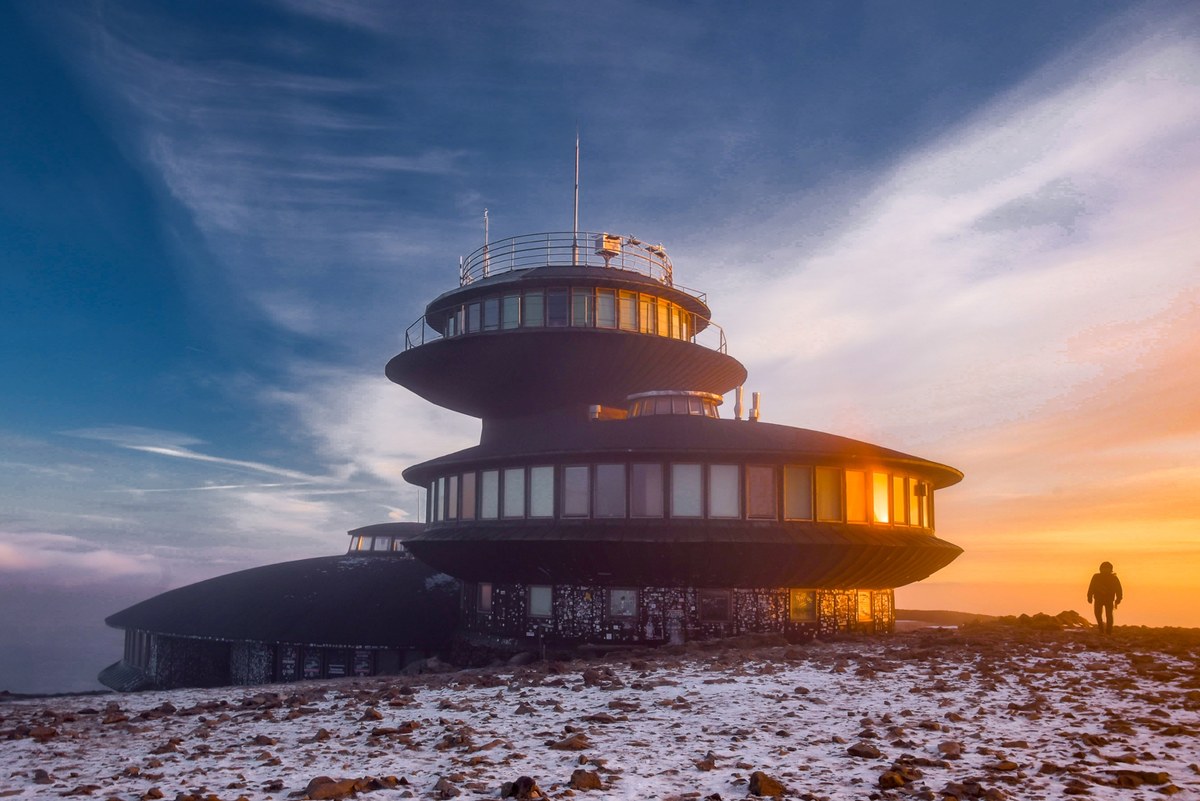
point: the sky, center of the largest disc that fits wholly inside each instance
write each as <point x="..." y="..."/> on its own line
<point x="963" y="231"/>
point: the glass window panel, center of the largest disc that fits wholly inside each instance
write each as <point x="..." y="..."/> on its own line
<point x="922" y="503"/>
<point x="662" y="405"/>
<point x="581" y="307"/>
<point x="879" y="497"/>
<point x="557" y="307"/>
<point x="606" y="308"/>
<point x="856" y="496"/>
<point x="541" y="491"/>
<point x="439" y="501"/>
<point x="473" y="324"/>
<point x="489" y="492"/>
<point x="514" y="492"/>
<point x="622" y="603"/>
<point x="576" y="491"/>
<point x="802" y="606"/>
<point x="686" y="498"/>
<point x="510" y="312"/>
<point x="452" y="498"/>
<point x="715" y="605"/>
<point x="829" y="493"/>
<point x="628" y="310"/>
<point x="674" y="321"/>
<point x="491" y="314"/>
<point x="541" y="601"/>
<point x="899" y="515"/>
<point x="679" y="405"/>
<point x="485" y="597"/>
<point x="664" y="318"/>
<point x="694" y="406"/>
<point x="724" y="497"/>
<point x="468" y="496"/>
<point x="452" y="324"/>
<point x="646" y="490"/>
<point x="646" y="318"/>
<point x="684" y="327"/>
<point x="797" y="492"/>
<point x="397" y="545"/>
<point x="930" y="510"/>
<point x="760" y="491"/>
<point x="864" y="608"/>
<point x="534" y="316"/>
<point x="610" y="491"/>
<point x="914" y="503"/>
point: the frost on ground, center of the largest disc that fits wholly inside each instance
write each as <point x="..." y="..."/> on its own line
<point x="993" y="712"/>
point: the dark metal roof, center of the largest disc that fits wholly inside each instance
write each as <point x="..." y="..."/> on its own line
<point x="330" y="600"/>
<point x="400" y="531"/>
<point x="678" y="437"/>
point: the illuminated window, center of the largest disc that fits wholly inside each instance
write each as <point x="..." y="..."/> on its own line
<point x="489" y="492"/>
<point x="576" y="491"/>
<point x="452" y="498"/>
<point x="541" y="491"/>
<point x="468" y="496"/>
<point x="581" y="307"/>
<point x="797" y="492"/>
<point x="724" y="498"/>
<point x="856" y="496"/>
<point x="899" y="514"/>
<point x="879" y="497"/>
<point x="802" y="606"/>
<point x="628" y="310"/>
<point x="675" y="330"/>
<point x="760" y="491"/>
<point x="686" y="497"/>
<point x="510" y="311"/>
<point x="610" y="491"/>
<point x="646" y="490"/>
<point x="534" y="315"/>
<point x="914" y="503"/>
<point x="829" y="494"/>
<point x="864" y="608"/>
<point x="606" y="308"/>
<point x="485" y="598"/>
<point x="648" y="313"/>
<point x="514" y="492"/>
<point x="558" y="312"/>
<point x="491" y="314"/>
<point x="664" y="318"/>
<point x="541" y="601"/>
<point x="716" y="606"/>
<point x="622" y="603"/>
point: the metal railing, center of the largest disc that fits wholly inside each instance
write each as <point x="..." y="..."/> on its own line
<point x="566" y="249"/>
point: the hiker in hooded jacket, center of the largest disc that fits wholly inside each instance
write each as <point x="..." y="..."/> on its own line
<point x="1105" y="593"/>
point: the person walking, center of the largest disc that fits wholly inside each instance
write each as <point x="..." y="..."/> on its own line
<point x="1105" y="593"/>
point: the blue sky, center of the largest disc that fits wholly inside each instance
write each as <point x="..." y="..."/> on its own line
<point x="961" y="230"/>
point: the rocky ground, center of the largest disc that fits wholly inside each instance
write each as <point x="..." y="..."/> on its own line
<point x="991" y="711"/>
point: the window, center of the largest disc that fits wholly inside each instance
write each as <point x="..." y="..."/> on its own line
<point x="557" y="307"/>
<point x="514" y="492"/>
<point x="856" y="496"/>
<point x="627" y="301"/>
<point x="452" y="324"/>
<point x="675" y="321"/>
<point x="879" y="497"/>
<point x="397" y="545"/>
<point x="685" y="491"/>
<point x="489" y="501"/>
<point x="899" y="513"/>
<point x="541" y="491"/>
<point x="473" y="325"/>
<point x="541" y="601"/>
<point x="760" y="491"/>
<point x="679" y="405"/>
<point x="646" y="319"/>
<point x="491" y="314"/>
<point x="694" y="406"/>
<point x="468" y="496"/>
<point x="484" y="602"/>
<point x="510" y="311"/>
<point x="439" y="500"/>
<point x="829" y="494"/>
<point x="715" y="606"/>
<point x="797" y="492"/>
<point x="581" y="307"/>
<point x="452" y="498"/>
<point x="802" y="606"/>
<point x="914" y="503"/>
<point x="920" y="513"/>
<point x="606" y="308"/>
<point x="646" y="490"/>
<point x="535" y="310"/>
<point x="724" y="496"/>
<point x="930" y="511"/>
<point x="610" y="491"/>
<point x="864" y="608"/>
<point x="622" y="603"/>
<point x="664" y="318"/>
<point x="576" y="479"/>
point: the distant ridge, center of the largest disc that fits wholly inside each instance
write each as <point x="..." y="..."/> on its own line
<point x="942" y="617"/>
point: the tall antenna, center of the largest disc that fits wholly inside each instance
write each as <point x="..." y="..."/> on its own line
<point x="486" y="258"/>
<point x="575" y="222"/>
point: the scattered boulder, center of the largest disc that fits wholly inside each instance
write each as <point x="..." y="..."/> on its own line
<point x="864" y="750"/>
<point x="522" y="789"/>
<point x="762" y="784"/>
<point x="585" y="780"/>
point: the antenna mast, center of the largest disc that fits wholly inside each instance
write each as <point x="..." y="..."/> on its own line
<point x="575" y="222"/>
<point x="486" y="258"/>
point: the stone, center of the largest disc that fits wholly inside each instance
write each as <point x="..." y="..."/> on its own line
<point x="523" y="788"/>
<point x="573" y="742"/>
<point x="445" y="789"/>
<point x="864" y="751"/>
<point x="585" y="780"/>
<point x="762" y="784"/>
<point x="324" y="787"/>
<point x="950" y="749"/>
<point x="890" y="779"/>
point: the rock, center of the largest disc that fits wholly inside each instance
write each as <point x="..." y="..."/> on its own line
<point x="445" y="789"/>
<point x="762" y="784"/>
<point x="592" y="677"/>
<point x="324" y="787"/>
<point x="585" y="780"/>
<point x="573" y="742"/>
<point x="523" y="788"/>
<point x="864" y="751"/>
<point x="890" y="779"/>
<point x="41" y="777"/>
<point x="950" y="749"/>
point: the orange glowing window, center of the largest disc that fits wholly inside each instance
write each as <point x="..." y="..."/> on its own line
<point x="856" y="496"/>
<point x="879" y="497"/>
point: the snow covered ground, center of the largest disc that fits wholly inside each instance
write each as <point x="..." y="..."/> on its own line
<point x="990" y="712"/>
